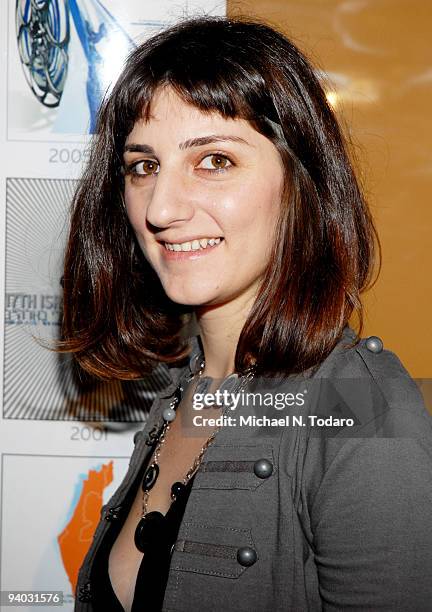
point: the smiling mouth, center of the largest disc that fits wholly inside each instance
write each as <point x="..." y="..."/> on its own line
<point x="193" y="245"/>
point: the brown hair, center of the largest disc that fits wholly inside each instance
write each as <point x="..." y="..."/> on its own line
<point x="117" y="320"/>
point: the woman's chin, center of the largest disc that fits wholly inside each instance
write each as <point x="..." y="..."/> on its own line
<point x="193" y="298"/>
<point x="193" y="302"/>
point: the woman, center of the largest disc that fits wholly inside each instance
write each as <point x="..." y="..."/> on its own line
<point x="219" y="187"/>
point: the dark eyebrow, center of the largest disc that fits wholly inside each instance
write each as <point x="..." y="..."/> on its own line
<point x="187" y="144"/>
<point x="138" y="148"/>
<point x="204" y="140"/>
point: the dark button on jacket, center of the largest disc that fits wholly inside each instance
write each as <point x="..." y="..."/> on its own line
<point x="246" y="556"/>
<point x="263" y="468"/>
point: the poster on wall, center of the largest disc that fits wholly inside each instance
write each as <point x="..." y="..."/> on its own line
<point x="77" y="488"/>
<point x="36" y="225"/>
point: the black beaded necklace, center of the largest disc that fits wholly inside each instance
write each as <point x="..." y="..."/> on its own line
<point x="152" y="527"/>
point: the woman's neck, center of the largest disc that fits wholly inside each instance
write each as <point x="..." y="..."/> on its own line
<point x="220" y="327"/>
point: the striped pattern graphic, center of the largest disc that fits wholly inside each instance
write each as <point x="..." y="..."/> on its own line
<point x="38" y="383"/>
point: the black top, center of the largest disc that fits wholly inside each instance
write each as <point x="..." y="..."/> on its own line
<point x="153" y="572"/>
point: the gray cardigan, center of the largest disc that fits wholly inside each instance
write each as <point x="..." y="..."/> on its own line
<point x="334" y="518"/>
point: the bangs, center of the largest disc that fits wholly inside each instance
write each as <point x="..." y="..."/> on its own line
<point x="206" y="97"/>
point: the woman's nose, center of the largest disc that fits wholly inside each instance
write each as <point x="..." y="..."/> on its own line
<point x="171" y="200"/>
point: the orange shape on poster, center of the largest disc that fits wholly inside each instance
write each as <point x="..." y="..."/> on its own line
<point x="75" y="539"/>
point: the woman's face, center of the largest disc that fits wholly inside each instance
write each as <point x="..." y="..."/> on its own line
<point x="202" y="194"/>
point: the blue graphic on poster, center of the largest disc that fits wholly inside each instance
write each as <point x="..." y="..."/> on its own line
<point x="43" y="37"/>
<point x="64" y="55"/>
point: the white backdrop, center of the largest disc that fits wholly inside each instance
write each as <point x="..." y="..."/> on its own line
<point x="64" y="448"/>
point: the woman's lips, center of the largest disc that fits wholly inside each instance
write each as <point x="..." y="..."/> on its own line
<point x="187" y="255"/>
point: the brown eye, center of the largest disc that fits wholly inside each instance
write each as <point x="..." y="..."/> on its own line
<point x="218" y="162"/>
<point x="147" y="166"/>
<point x="215" y="162"/>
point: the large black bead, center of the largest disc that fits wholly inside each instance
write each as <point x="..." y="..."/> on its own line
<point x="150" y="531"/>
<point x="177" y="489"/>
<point x="150" y="477"/>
